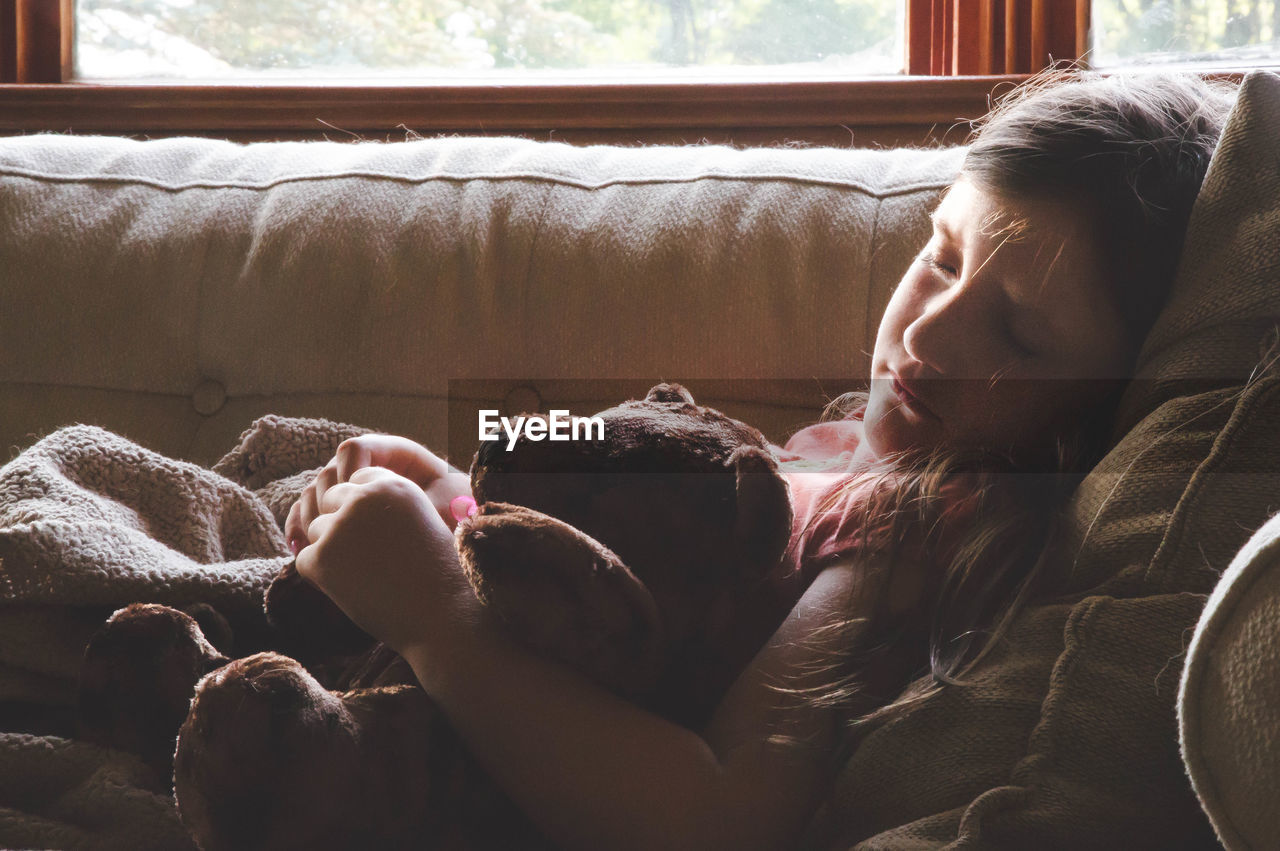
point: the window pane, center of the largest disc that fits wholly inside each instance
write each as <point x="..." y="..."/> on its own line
<point x="1221" y="32"/>
<point x="459" y="39"/>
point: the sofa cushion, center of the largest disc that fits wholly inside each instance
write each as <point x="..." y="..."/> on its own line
<point x="1067" y="736"/>
<point x="1225" y="304"/>
<point x="173" y="290"/>
<point x="1229" y="698"/>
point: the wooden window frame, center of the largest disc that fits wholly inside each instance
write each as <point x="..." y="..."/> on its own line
<point x="988" y="37"/>
<point x="957" y="52"/>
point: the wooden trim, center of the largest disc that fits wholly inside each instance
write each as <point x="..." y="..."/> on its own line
<point x="941" y="38"/>
<point x="43" y="40"/>
<point x="1012" y="34"/>
<point x="85" y="108"/>
<point x="1082" y="10"/>
<point x="962" y="37"/>
<point x="1040" y="34"/>
<point x="987" y="35"/>
<point x="8" y="41"/>
<point x="919" y="37"/>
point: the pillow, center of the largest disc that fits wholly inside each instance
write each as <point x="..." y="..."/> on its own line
<point x="1229" y="700"/>
<point x="1067" y="734"/>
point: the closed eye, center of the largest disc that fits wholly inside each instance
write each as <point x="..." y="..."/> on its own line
<point x="931" y="260"/>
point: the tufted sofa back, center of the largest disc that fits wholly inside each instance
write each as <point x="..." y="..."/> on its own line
<point x="174" y="290"/>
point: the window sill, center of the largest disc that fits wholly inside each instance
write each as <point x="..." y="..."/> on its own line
<point x="376" y="110"/>
<point x="822" y="111"/>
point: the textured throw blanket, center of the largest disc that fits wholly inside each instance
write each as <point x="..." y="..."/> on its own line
<point x="90" y="522"/>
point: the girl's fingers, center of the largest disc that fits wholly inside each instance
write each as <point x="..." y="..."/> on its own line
<point x="325" y="479"/>
<point x="341" y="493"/>
<point x="369" y="474"/>
<point x="352" y="456"/>
<point x="307" y="508"/>
<point x="305" y="563"/>
<point x="336" y="496"/>
<point x="318" y="528"/>
<point x="295" y="531"/>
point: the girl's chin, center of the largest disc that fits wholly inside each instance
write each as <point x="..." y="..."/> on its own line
<point x="894" y="431"/>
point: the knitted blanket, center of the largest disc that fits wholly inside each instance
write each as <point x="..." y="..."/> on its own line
<point x="90" y="522"/>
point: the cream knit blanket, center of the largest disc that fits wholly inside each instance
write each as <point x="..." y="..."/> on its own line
<point x="90" y="522"/>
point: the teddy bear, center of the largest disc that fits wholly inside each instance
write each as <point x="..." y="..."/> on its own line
<point x="643" y="559"/>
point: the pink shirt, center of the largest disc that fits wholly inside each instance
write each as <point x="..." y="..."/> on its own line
<point x="836" y="534"/>
<point x="833" y="535"/>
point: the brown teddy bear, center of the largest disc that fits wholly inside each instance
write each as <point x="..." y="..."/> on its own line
<point x="641" y="559"/>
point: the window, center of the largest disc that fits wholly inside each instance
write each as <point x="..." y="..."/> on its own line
<point x="441" y="40"/>
<point x="1223" y="33"/>
<point x="834" y="72"/>
<point x="444" y="40"/>
<point x="52" y="41"/>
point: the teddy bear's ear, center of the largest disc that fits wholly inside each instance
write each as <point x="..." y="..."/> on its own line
<point x="310" y="625"/>
<point x="763" y="525"/>
<point x="669" y="392"/>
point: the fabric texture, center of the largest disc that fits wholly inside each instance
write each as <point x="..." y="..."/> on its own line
<point x="166" y="290"/>
<point x="90" y="522"/>
<point x="831" y="442"/>
<point x="1229" y="698"/>
<point x="1067" y="736"/>
<point x="1230" y="689"/>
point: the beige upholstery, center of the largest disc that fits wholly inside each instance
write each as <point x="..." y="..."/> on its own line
<point x="174" y="290"/>
<point x="1229" y="703"/>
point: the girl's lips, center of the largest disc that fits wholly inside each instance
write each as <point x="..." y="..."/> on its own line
<point x="911" y="400"/>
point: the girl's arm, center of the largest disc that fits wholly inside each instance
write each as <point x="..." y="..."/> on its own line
<point x="592" y="770"/>
<point x="595" y="771"/>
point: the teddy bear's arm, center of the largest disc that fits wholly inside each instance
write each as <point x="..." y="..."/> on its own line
<point x="595" y="771"/>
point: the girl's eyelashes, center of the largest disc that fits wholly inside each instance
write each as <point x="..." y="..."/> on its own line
<point x="931" y="260"/>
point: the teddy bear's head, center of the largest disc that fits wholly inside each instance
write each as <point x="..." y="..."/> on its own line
<point x="627" y="555"/>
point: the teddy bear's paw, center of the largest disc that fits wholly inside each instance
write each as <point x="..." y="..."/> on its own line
<point x="564" y="593"/>
<point x="267" y="758"/>
<point x="139" y="672"/>
<point x="764" y="515"/>
<point x="311" y="626"/>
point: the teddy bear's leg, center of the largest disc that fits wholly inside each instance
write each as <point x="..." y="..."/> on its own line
<point x="564" y="593"/>
<point x="139" y="672"/>
<point x="269" y="759"/>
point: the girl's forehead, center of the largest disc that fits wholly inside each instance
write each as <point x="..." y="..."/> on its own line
<point x="968" y="210"/>
<point x="1023" y="242"/>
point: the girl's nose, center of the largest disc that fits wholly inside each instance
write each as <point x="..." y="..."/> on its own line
<point x="936" y="336"/>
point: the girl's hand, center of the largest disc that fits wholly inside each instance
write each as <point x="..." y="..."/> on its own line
<point x="380" y="550"/>
<point x="398" y="454"/>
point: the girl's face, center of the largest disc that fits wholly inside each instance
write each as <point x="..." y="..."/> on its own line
<point x="1000" y="335"/>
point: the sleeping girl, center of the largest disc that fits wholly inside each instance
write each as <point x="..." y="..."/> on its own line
<point x="919" y="520"/>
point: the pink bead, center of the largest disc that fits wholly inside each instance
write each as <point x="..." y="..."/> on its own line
<point x="463" y="507"/>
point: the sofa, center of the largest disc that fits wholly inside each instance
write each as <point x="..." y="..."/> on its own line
<point x="174" y="291"/>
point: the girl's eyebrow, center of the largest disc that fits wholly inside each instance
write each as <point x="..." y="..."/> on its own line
<point x="942" y="227"/>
